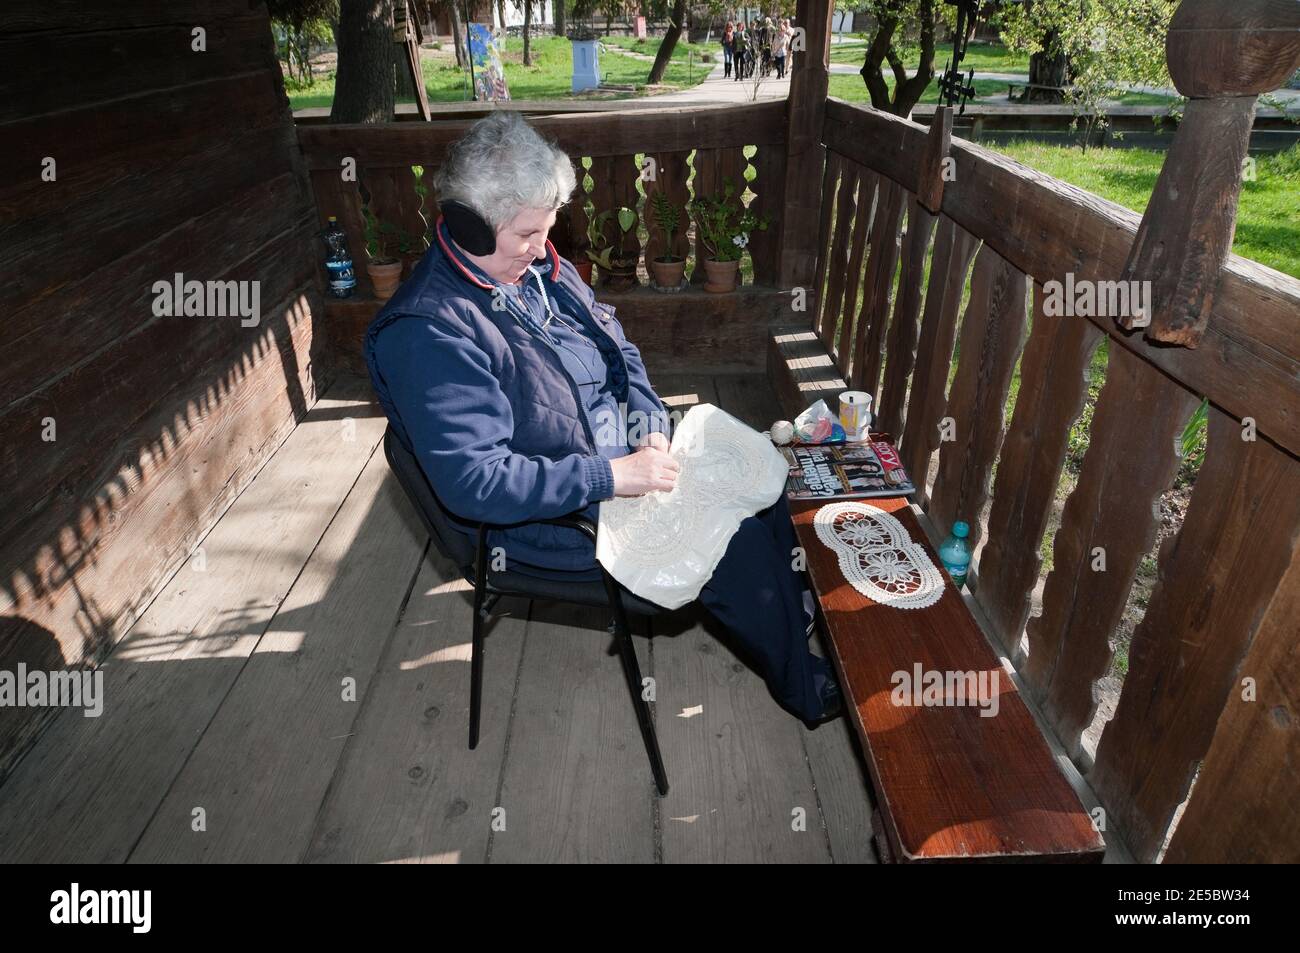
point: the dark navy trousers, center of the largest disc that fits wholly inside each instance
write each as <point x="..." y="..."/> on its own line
<point x="757" y="594"/>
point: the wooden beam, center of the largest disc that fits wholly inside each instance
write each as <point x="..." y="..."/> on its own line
<point x="930" y="177"/>
<point x="1223" y="57"/>
<point x="804" y="151"/>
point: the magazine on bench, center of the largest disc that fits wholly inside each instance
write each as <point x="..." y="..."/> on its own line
<point x="845" y="471"/>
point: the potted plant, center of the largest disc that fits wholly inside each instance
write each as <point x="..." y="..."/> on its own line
<point x="576" y="251"/>
<point x="617" y="267"/>
<point x="724" y="226"/>
<point x="384" y="243"/>
<point x="582" y="262"/>
<point x="668" y="267"/>
<point x="416" y="247"/>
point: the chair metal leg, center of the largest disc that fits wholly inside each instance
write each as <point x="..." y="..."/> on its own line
<point x="476" y="658"/>
<point x="632" y="671"/>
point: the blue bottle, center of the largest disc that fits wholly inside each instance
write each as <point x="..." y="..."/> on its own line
<point x="338" y="266"/>
<point x="955" y="554"/>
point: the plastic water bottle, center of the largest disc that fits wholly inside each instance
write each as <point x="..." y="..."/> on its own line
<point x="955" y="554"/>
<point x="338" y="266"/>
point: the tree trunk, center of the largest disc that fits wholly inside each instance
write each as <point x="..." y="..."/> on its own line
<point x="363" y="87"/>
<point x="1048" y="68"/>
<point x="528" y="29"/>
<point x="907" y="90"/>
<point x="457" y="34"/>
<point x="558" y="15"/>
<point x="666" y="46"/>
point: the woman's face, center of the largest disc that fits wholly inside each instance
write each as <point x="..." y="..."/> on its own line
<point x="520" y="242"/>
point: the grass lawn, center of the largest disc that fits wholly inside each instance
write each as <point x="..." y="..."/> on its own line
<point x="851" y="88"/>
<point x="981" y="57"/>
<point x="1268" y="216"/>
<point x="549" y="77"/>
<point x="650" y="46"/>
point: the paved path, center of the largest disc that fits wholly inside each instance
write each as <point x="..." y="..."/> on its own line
<point x="717" y="89"/>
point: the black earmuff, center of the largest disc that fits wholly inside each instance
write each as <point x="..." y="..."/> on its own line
<point x="469" y="229"/>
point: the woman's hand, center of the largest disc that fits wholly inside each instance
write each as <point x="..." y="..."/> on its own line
<point x="646" y="470"/>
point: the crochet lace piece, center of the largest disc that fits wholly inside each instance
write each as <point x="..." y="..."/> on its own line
<point x="877" y="556"/>
<point x="664" y="546"/>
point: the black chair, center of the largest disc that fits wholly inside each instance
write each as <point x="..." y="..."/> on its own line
<point x="557" y="585"/>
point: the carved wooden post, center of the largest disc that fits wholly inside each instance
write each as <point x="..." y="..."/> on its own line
<point x="805" y="153"/>
<point x="929" y="177"/>
<point x="1221" y="56"/>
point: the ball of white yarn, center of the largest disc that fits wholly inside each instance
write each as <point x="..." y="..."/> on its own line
<point x="782" y="432"/>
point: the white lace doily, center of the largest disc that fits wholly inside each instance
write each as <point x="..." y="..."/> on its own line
<point x="664" y="546"/>
<point x="877" y="556"/>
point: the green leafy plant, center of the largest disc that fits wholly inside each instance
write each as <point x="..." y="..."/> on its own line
<point x="422" y="191"/>
<point x="724" y="224"/>
<point x="1192" y="444"/>
<point x="668" y="218"/>
<point x="384" y="240"/>
<point x="610" y="255"/>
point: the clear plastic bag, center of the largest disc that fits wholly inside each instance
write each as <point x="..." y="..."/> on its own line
<point x="818" y="424"/>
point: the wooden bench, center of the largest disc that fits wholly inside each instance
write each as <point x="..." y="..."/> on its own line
<point x="950" y="784"/>
<point x="1013" y="86"/>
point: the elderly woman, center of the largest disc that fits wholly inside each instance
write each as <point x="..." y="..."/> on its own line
<point x="499" y="371"/>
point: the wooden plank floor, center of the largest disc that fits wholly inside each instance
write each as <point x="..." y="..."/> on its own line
<point x="301" y="693"/>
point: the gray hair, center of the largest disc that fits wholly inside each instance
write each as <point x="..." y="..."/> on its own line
<point x="502" y="166"/>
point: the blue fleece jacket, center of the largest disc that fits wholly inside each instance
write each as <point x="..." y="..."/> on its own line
<point x="485" y="404"/>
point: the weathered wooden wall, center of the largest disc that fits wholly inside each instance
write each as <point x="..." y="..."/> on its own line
<point x="167" y="160"/>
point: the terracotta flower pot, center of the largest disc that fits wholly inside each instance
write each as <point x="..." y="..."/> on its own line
<point x="668" y="272"/>
<point x="720" y="276"/>
<point x="621" y="276"/>
<point x="584" y="269"/>
<point x="385" y="275"/>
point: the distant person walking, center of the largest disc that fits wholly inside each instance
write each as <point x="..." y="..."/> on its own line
<point x="740" y="51"/>
<point x="728" y="44"/>
<point x="766" y="35"/>
<point x="781" y="47"/>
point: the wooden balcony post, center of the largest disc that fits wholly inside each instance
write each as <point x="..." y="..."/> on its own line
<point x="1221" y="56"/>
<point x="804" y="150"/>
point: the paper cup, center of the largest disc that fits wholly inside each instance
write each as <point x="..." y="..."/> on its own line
<point x="855" y="414"/>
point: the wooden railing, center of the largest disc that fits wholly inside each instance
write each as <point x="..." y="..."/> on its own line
<point x="693" y="150"/>
<point x="1220" y="626"/>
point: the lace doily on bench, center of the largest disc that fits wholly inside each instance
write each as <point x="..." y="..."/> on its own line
<point x="877" y="556"/>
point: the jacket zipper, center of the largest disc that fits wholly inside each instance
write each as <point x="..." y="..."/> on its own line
<point x="573" y="388"/>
